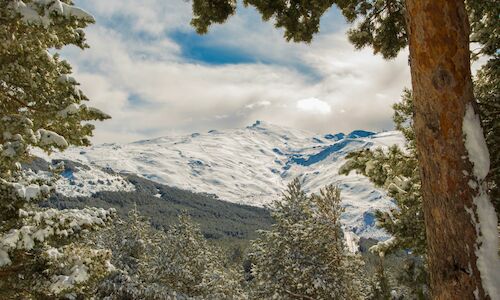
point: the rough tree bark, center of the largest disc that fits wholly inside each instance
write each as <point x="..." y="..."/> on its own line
<point x="442" y="89"/>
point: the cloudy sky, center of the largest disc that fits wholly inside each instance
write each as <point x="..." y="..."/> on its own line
<point x="155" y="76"/>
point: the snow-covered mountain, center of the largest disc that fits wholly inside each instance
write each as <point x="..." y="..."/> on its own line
<point x="249" y="166"/>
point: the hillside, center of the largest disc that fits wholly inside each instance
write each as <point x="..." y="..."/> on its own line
<point x="248" y="166"/>
<point x="161" y="204"/>
<point x="218" y="219"/>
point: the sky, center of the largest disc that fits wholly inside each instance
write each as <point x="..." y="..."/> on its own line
<point x="155" y="76"/>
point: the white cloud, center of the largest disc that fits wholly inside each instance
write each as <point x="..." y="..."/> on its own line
<point x="150" y="89"/>
<point x="314" y="106"/>
<point x="152" y="17"/>
<point x="258" y="104"/>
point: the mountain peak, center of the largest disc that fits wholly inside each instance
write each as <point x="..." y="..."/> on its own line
<point x="259" y="124"/>
<point x="251" y="166"/>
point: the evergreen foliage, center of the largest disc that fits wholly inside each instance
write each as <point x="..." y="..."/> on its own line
<point x="177" y="264"/>
<point x="134" y="244"/>
<point x="380" y="289"/>
<point x="414" y="279"/>
<point x="408" y="282"/>
<point x="225" y="223"/>
<point x="377" y="24"/>
<point x="191" y="266"/>
<point x="396" y="170"/>
<point x="208" y="12"/>
<point x="485" y="32"/>
<point x="43" y="252"/>
<point x="304" y="256"/>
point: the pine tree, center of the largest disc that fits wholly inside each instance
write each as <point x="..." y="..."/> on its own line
<point x="396" y="170"/>
<point x="136" y="243"/>
<point x="152" y="264"/>
<point x="135" y="246"/>
<point x="42" y="251"/>
<point x="414" y="279"/>
<point x="190" y="266"/>
<point x="459" y="213"/>
<point x="304" y="256"/>
<point x="380" y="289"/>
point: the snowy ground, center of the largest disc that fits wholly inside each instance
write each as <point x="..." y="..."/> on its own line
<point x="85" y="182"/>
<point x="249" y="166"/>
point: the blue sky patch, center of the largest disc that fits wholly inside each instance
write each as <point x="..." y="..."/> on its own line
<point x="199" y="48"/>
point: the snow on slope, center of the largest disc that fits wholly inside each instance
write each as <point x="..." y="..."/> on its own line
<point x="252" y="165"/>
<point x="78" y="180"/>
<point x="87" y="181"/>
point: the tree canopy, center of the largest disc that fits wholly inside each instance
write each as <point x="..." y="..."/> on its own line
<point x="43" y="252"/>
<point x="377" y="24"/>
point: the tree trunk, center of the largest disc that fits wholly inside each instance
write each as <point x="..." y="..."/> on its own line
<point x="442" y="90"/>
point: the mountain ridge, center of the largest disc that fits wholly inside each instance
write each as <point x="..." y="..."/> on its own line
<point x="250" y="166"/>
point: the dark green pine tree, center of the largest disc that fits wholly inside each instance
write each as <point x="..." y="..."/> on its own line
<point x="188" y="264"/>
<point x="304" y="256"/>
